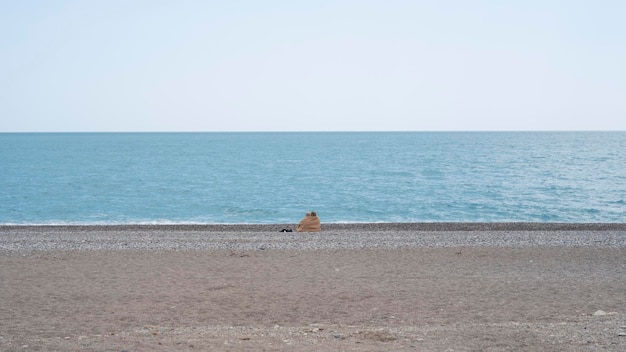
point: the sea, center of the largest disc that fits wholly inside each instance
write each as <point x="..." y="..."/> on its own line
<point x="346" y="177"/>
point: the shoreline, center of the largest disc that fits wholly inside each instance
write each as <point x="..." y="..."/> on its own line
<point x="20" y="239"/>
<point x="381" y="226"/>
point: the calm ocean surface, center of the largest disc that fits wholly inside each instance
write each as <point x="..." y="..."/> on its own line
<point x="138" y="178"/>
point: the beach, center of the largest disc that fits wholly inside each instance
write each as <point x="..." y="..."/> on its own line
<point x="350" y="287"/>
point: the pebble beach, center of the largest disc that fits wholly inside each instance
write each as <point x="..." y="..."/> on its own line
<point x="333" y="236"/>
<point x="352" y="287"/>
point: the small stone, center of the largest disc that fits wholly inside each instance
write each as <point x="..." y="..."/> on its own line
<point x="599" y="313"/>
<point x="622" y="334"/>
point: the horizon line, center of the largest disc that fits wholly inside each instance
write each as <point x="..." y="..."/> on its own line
<point x="319" y="131"/>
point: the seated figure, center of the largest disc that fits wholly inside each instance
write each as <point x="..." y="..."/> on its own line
<point x="310" y="223"/>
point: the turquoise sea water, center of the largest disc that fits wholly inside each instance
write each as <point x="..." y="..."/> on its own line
<point x="132" y="178"/>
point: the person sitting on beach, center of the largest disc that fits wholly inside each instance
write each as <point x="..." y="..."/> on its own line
<point x="310" y="223"/>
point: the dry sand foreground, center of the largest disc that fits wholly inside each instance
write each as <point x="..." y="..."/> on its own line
<point x="256" y="295"/>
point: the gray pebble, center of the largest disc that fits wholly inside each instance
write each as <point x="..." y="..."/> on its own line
<point x="334" y="236"/>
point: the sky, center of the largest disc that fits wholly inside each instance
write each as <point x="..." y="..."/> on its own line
<point x="445" y="65"/>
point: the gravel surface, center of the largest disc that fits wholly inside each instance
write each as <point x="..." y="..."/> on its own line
<point x="333" y="236"/>
<point x="351" y="287"/>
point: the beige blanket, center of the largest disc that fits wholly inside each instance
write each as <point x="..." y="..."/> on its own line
<point x="309" y="224"/>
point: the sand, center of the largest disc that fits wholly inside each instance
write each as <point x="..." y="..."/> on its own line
<point x="360" y="287"/>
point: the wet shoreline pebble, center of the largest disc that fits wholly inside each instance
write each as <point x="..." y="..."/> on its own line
<point x="333" y="236"/>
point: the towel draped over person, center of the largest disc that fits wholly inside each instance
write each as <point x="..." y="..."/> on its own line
<point x="310" y="223"/>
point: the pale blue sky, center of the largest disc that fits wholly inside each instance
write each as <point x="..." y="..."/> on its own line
<point x="312" y="65"/>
